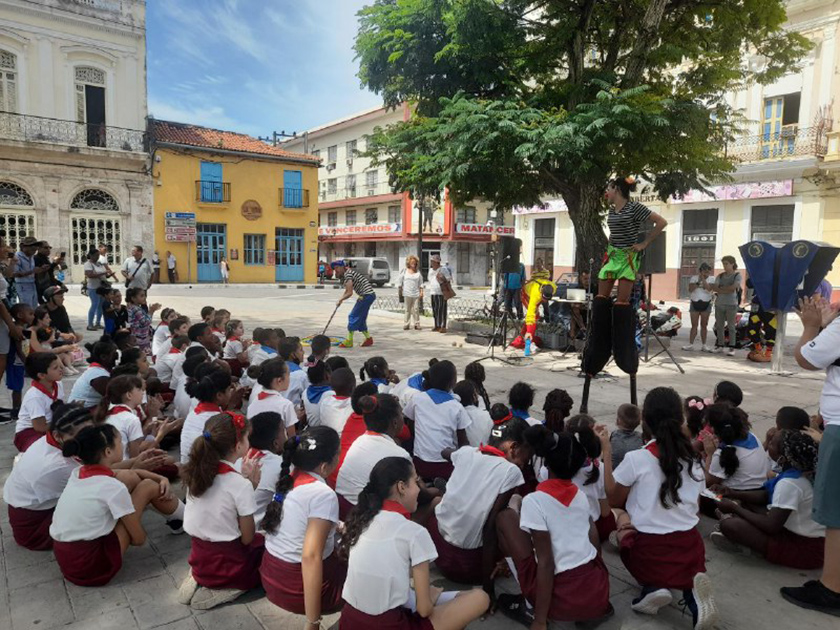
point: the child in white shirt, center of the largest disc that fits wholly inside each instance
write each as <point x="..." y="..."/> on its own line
<point x="319" y="383"/>
<point x="46" y="371"/>
<point x="334" y="407"/>
<point x="377" y="371"/>
<point x="165" y="363"/>
<point x="267" y="438"/>
<point x="274" y="380"/>
<point x="292" y="352"/>
<point x="481" y="423"/>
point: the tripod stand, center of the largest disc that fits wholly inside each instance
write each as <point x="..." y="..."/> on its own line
<point x="500" y="324"/>
<point x="648" y="332"/>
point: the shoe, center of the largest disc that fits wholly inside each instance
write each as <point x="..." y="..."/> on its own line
<point x="613" y="538"/>
<point x="435" y="329"/>
<point x="717" y="350"/>
<point x="706" y="348"/>
<point x="207" y="598"/>
<point x="91" y="328"/>
<point x="651" y="600"/>
<point x="730" y="352"/>
<point x="724" y="544"/>
<point x="442" y="330"/>
<point x="813" y="595"/>
<point x="176" y="526"/>
<point x="344" y="344"/>
<point x="768" y="354"/>
<point x="187" y="589"/>
<point x="367" y="342"/>
<point x="515" y="608"/>
<point x="417" y="327"/>
<point x="701" y="602"/>
<point x="406" y="327"/>
<point x="689" y="347"/>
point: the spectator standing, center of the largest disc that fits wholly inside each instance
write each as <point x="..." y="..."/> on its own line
<point x="727" y="287"/>
<point x="411" y="289"/>
<point x="701" y="306"/>
<point x="171" y="268"/>
<point x="95" y="274"/>
<point x="59" y="319"/>
<point x="44" y="266"/>
<point x="25" y="272"/>
<point x="8" y="266"/>
<point x="439" y="276"/>
<point x="137" y="270"/>
<point x="156" y="268"/>
<point x="513" y="290"/>
<point x="224" y="268"/>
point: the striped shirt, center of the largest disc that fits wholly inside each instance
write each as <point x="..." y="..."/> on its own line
<point x="625" y="225"/>
<point x="361" y="284"/>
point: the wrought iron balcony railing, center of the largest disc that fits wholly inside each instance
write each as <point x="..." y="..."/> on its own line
<point x="212" y="192"/>
<point x="790" y="141"/>
<point x="27" y="128"/>
<point x="295" y="198"/>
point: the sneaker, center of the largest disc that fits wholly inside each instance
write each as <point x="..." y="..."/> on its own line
<point x="345" y="344"/>
<point x="442" y="329"/>
<point x="706" y="348"/>
<point x="701" y="602"/>
<point x="406" y="327"/>
<point x="729" y="546"/>
<point x="613" y="538"/>
<point x="689" y="347"/>
<point x="730" y="352"/>
<point x="176" y="526"/>
<point x="367" y="342"/>
<point x="187" y="589"/>
<point x="515" y="608"/>
<point x="813" y="595"/>
<point x="651" y="600"/>
<point x="207" y="598"/>
<point x="717" y="350"/>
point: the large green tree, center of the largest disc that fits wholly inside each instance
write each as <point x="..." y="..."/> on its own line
<point x="517" y="100"/>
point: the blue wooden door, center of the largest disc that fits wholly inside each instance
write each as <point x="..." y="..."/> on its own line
<point x="210" y="247"/>
<point x="289" y="260"/>
<point x="211" y="182"/>
<point x="292" y="189"/>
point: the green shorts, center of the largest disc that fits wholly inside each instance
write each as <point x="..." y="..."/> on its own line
<point x="619" y="264"/>
<point x="827" y="483"/>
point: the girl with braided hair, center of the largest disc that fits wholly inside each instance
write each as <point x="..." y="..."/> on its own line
<point x="226" y="550"/>
<point x="785" y="532"/>
<point x="300" y="572"/>
<point x="385" y="549"/>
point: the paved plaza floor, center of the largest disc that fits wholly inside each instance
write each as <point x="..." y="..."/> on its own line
<point x="34" y="595"/>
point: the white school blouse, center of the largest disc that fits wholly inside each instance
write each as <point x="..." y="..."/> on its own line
<point x="310" y="500"/>
<point x="640" y="471"/>
<point x="480" y="426"/>
<point x="568" y="527"/>
<point x="595" y="491"/>
<point x="39" y="477"/>
<point x="214" y="516"/>
<point x="270" y="465"/>
<point x="437" y="417"/>
<point x="183" y="403"/>
<point x="753" y="466"/>
<point x="313" y="409"/>
<point x="36" y="404"/>
<point x="127" y="423"/>
<point x="796" y="495"/>
<point x="194" y="427"/>
<point x="333" y="411"/>
<point x="270" y="400"/>
<point x="233" y="348"/>
<point x="90" y="508"/>
<point x="365" y="453"/>
<point x="165" y="365"/>
<point x="261" y="354"/>
<point x="298" y="382"/>
<point x="159" y="338"/>
<point x="82" y="391"/>
<point x="178" y="375"/>
<point x="476" y="482"/>
<point x="380" y="563"/>
<point x="407" y="388"/>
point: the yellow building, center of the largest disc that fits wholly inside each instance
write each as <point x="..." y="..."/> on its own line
<point x="220" y="195"/>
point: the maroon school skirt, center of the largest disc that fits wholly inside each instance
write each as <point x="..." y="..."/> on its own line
<point x="430" y="470"/>
<point x="31" y="528"/>
<point x="605" y="526"/>
<point x="459" y="565"/>
<point x="227" y="564"/>
<point x="579" y="594"/>
<point x="395" y="619"/>
<point x="795" y="551"/>
<point x="344" y="507"/>
<point x="89" y="562"/>
<point x="664" y="560"/>
<point x="26" y="438"/>
<point x="283" y="584"/>
<point x="236" y="367"/>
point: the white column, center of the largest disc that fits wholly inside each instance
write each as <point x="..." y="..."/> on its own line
<point x="44" y="88"/>
<point x="827" y="59"/>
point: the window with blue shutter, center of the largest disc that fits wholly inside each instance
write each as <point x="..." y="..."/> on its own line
<point x="211" y="182"/>
<point x="292" y="189"/>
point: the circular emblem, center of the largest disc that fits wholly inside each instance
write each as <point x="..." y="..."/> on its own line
<point x="755" y="250"/>
<point x="800" y="250"/>
<point x="251" y="210"/>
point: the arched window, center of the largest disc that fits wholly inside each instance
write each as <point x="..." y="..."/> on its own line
<point x="8" y="82"/>
<point x="13" y="195"/>
<point x="94" y="199"/>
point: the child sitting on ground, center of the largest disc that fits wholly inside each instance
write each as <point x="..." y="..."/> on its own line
<point x="696" y="427"/>
<point x="45" y="370"/>
<point x="481" y="423"/>
<point x="274" y="381"/>
<point x="319" y="383"/>
<point x="235" y="351"/>
<point x="319" y="350"/>
<point x="734" y="456"/>
<point x="625" y="438"/>
<point x="267" y="438"/>
<point x="589" y="478"/>
<point x="475" y="374"/>
<point x="376" y="369"/>
<point x="788" y="419"/>
<point x="557" y="407"/>
<point x="334" y="407"/>
<point x="161" y="333"/>
<point x="291" y="351"/>
<point x="207" y="314"/>
<point x="521" y="399"/>
<point x="44" y="338"/>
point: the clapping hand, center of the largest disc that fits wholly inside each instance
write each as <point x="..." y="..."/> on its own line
<point x="252" y="471"/>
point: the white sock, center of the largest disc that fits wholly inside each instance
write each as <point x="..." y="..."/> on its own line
<point x="178" y="514"/>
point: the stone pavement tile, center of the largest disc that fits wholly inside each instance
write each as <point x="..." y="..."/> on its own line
<point x="18" y="558"/>
<point x="183" y="624"/>
<point x="138" y="568"/>
<point x="121" y="618"/>
<point x="50" y="608"/>
<point x="34" y="574"/>
<point x="231" y="617"/>
<point x="270" y="616"/>
<point x="154" y="603"/>
<point x="93" y="602"/>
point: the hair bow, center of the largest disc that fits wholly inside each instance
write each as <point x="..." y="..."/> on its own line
<point x="279" y="497"/>
<point x="238" y="421"/>
<point x="697" y="404"/>
<point x="207" y="435"/>
<point x="708" y="401"/>
<point x="630" y="180"/>
<point x="503" y="420"/>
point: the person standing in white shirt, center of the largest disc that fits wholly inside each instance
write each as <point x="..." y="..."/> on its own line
<point x="410" y="286"/>
<point x="137" y="270"/>
<point x="387" y="551"/>
<point x="701" y="306"/>
<point x="171" y="264"/>
<point x="659" y="487"/>
<point x="437" y="273"/>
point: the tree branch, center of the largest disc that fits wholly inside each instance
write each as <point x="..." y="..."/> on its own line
<point x="648" y="34"/>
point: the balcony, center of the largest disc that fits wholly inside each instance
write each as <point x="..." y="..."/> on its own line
<point x="26" y="128"/>
<point x="791" y="142"/>
<point x="294" y="198"/>
<point x="212" y="192"/>
<point x="359" y="191"/>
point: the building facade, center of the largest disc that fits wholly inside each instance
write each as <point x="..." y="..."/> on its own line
<point x="785" y="186"/>
<point x="73" y="152"/>
<point x="219" y="194"/>
<point x="361" y="215"/>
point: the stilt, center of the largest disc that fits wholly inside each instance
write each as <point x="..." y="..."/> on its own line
<point x="634" y="399"/>
<point x="584" y="403"/>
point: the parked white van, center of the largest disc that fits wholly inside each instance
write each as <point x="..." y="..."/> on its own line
<point x="377" y="269"/>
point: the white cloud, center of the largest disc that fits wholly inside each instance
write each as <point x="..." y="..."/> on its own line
<point x="204" y="115"/>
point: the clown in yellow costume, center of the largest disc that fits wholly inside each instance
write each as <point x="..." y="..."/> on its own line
<point x="535" y="292"/>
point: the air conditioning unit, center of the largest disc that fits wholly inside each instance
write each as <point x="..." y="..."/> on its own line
<point x="331" y="166"/>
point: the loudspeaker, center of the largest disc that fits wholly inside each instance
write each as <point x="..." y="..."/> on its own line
<point x="510" y="250"/>
<point x="653" y="258"/>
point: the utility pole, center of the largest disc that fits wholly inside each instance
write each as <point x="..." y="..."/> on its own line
<point x="420" y="210"/>
<point x="275" y="137"/>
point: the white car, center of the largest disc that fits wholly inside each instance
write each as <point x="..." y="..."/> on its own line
<point x="376" y="269"/>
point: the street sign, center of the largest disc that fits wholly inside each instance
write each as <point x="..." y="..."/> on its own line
<point x="180" y="238"/>
<point x="180" y="215"/>
<point x="180" y="230"/>
<point x="179" y="222"/>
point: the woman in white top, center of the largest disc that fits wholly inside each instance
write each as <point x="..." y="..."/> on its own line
<point x="701" y="305"/>
<point x="95" y="272"/>
<point x="440" y="421"/>
<point x="481" y="485"/>
<point x="734" y="456"/>
<point x="212" y="387"/>
<point x="480" y="421"/>
<point x="786" y="533"/>
<point x="659" y="487"/>
<point x="226" y="550"/>
<point x="98" y="515"/>
<point x="410" y="287"/>
<point x="387" y="551"/>
<point x="553" y="543"/>
<point x="300" y="573"/>
<point x="38" y="479"/>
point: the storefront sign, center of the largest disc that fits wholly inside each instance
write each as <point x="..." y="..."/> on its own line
<point x="480" y="228"/>
<point x="699" y="239"/>
<point x="251" y="210"/>
<point x="348" y="230"/>
<point x="551" y="205"/>
<point x="734" y="192"/>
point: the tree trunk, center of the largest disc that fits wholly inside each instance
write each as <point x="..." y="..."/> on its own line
<point x="585" y="203"/>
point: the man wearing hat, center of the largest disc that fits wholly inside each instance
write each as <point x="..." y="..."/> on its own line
<point x="437" y="275"/>
<point x="25" y="272"/>
<point x="357" y="320"/>
<point x="54" y="301"/>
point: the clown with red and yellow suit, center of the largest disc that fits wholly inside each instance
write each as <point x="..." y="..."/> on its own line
<point x="535" y="292"/>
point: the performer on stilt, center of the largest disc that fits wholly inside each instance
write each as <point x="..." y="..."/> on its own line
<point x="357" y="320"/>
<point x="613" y="327"/>
<point x="536" y="291"/>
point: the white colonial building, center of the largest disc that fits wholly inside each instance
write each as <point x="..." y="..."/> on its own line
<point x="73" y="155"/>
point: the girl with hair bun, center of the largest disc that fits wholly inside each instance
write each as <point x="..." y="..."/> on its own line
<point x="786" y="533"/>
<point x="319" y="384"/>
<point x="735" y="459"/>
<point x="557" y="407"/>
<point x="212" y="387"/>
<point x="98" y="515"/>
<point x="183" y="402"/>
<point x="35" y="413"/>
<point x="475" y="374"/>
<point x="89" y="388"/>
<point x="482" y="483"/>
<point x="480" y="420"/>
<point x="386" y="550"/>
<point x="39" y="476"/>
<point x="408" y="387"/>
<point x="553" y="541"/>
<point x="659" y="486"/>
<point x="440" y="421"/>
<point x="376" y="369"/>
<point x="226" y="550"/>
<point x="274" y="382"/>
<point x="300" y="571"/>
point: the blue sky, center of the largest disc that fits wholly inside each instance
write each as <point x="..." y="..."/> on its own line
<point x="254" y="66"/>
